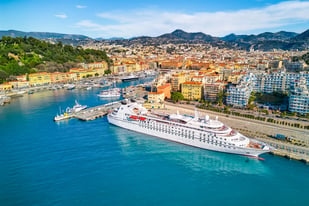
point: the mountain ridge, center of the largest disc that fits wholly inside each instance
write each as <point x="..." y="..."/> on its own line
<point x="42" y="35"/>
<point x="264" y="41"/>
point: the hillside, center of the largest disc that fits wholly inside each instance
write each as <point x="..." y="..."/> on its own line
<point x="29" y="55"/>
<point x="42" y="35"/>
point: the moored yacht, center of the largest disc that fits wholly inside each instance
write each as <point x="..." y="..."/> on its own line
<point x="131" y="77"/>
<point x="110" y="93"/>
<point x="77" y="107"/>
<point x="204" y="132"/>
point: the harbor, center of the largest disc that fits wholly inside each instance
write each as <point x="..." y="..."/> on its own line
<point x="283" y="149"/>
<point x="38" y="155"/>
<point x="83" y="84"/>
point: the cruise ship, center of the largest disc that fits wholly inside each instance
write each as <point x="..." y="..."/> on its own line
<point x="198" y="132"/>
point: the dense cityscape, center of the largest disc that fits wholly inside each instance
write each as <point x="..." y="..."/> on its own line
<point x="236" y="74"/>
<point x="154" y="103"/>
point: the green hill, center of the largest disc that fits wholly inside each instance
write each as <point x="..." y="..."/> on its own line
<point x="23" y="55"/>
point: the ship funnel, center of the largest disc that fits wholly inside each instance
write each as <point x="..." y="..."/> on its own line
<point x="206" y="118"/>
<point x="177" y="112"/>
<point x="216" y="117"/>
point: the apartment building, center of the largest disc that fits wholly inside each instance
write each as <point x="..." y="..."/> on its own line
<point x="192" y="90"/>
<point x="299" y="97"/>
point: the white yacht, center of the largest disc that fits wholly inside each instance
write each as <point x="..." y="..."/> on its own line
<point x="77" y="107"/>
<point x="70" y="86"/>
<point x="131" y="77"/>
<point x="110" y="93"/>
<point x="204" y="132"/>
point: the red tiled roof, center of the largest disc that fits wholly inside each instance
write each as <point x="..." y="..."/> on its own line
<point x="155" y="92"/>
<point x="193" y="83"/>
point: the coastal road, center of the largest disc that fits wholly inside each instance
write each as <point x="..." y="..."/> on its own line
<point x="244" y="123"/>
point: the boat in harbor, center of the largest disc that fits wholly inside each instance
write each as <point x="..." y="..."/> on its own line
<point x="69" y="111"/>
<point x="70" y="86"/>
<point x="131" y="77"/>
<point x="77" y="107"/>
<point x="4" y="99"/>
<point x="60" y="117"/>
<point x="105" y="83"/>
<point x="203" y="133"/>
<point x="110" y="93"/>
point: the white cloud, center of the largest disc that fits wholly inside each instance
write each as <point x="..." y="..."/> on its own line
<point x="156" y="22"/>
<point x="81" y="6"/>
<point x="62" y="16"/>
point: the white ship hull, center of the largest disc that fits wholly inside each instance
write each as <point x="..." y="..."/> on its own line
<point x="195" y="141"/>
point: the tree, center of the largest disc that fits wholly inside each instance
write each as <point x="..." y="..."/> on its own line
<point x="3" y="76"/>
<point x="251" y="106"/>
<point x="251" y="98"/>
<point x="283" y="114"/>
<point x="227" y="109"/>
<point x="176" y="96"/>
<point x="23" y="55"/>
<point x="108" y="71"/>
<point x="96" y="74"/>
<point x="221" y="96"/>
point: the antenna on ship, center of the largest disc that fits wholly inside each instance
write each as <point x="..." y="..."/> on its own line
<point x="206" y="118"/>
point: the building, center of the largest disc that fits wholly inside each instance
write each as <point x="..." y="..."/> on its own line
<point x="192" y="90"/>
<point x="177" y="80"/>
<point x="59" y="77"/>
<point x="83" y="73"/>
<point x="294" y="66"/>
<point x="166" y="89"/>
<point x="97" y="65"/>
<point x="211" y="91"/>
<point x="38" y="79"/>
<point x="19" y="84"/>
<point x="5" y="87"/>
<point x="238" y="96"/>
<point x="155" y="97"/>
<point x="22" y="78"/>
<point x="276" y="81"/>
<point x="155" y="100"/>
<point x="299" y="97"/>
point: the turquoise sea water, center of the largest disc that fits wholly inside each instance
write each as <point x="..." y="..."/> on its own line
<point x="94" y="163"/>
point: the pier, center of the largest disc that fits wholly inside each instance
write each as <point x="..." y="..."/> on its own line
<point x="95" y="112"/>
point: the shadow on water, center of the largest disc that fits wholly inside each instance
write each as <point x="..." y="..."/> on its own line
<point x="186" y="156"/>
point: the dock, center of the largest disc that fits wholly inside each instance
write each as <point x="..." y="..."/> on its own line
<point x="95" y="112"/>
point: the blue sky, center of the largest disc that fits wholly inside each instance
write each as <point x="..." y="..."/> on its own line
<point x="123" y="18"/>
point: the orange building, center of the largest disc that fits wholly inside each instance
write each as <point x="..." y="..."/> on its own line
<point x="166" y="89"/>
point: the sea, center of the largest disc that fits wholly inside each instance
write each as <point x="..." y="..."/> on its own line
<point x="74" y="162"/>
